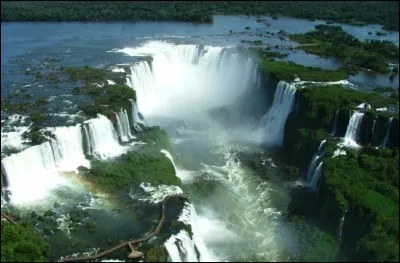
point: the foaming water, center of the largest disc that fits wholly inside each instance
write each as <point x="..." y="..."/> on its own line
<point x="187" y="80"/>
<point x="246" y="220"/>
<point x="103" y="138"/>
<point x="353" y="128"/>
<point x="273" y="122"/>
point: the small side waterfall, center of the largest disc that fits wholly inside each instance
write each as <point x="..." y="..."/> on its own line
<point x="334" y="128"/>
<point x="385" y="140"/>
<point x="123" y="127"/>
<point x="314" y="161"/>
<point x="353" y="128"/>
<point x="341" y="224"/>
<point x="373" y="131"/>
<point x="316" y="177"/>
<point x="169" y="156"/>
<point x="68" y="148"/>
<point x="273" y="122"/>
<point x="136" y="120"/>
<point x="103" y="138"/>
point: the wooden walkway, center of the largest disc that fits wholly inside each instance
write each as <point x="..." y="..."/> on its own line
<point x="132" y="243"/>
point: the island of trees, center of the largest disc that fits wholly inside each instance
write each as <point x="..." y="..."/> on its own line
<point x="351" y="12"/>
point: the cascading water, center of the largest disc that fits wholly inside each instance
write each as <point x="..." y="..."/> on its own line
<point x="385" y="140"/>
<point x="335" y="123"/>
<point x="316" y="177"/>
<point x="185" y="81"/>
<point x="135" y="116"/>
<point x="341" y="224"/>
<point x="353" y="128"/>
<point x="169" y="156"/>
<point x="314" y="161"/>
<point x="103" y="138"/>
<point x="373" y="131"/>
<point x="68" y="148"/>
<point x="42" y="164"/>
<point x="273" y="122"/>
<point x="88" y="147"/>
<point x="123" y="127"/>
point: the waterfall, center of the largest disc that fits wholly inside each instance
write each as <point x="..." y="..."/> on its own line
<point x="316" y="176"/>
<point x="169" y="156"/>
<point x="335" y="123"/>
<point x="68" y="148"/>
<point x="103" y="138"/>
<point x="273" y="122"/>
<point x="385" y="140"/>
<point x="314" y="161"/>
<point x="88" y="148"/>
<point x="123" y="127"/>
<point x="187" y="80"/>
<point x="182" y="248"/>
<point x="136" y="120"/>
<point x="353" y="128"/>
<point x="32" y="173"/>
<point x="373" y="130"/>
<point x="341" y="224"/>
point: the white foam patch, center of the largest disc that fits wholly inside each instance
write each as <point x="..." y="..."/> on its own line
<point x="157" y="193"/>
<point x="110" y="82"/>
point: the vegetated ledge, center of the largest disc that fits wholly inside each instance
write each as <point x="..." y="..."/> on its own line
<point x="360" y="188"/>
<point x="333" y="41"/>
<point x="289" y="71"/>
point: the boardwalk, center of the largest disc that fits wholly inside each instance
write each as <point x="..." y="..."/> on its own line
<point x="131" y="243"/>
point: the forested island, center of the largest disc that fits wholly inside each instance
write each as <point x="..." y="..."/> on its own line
<point x="351" y="12"/>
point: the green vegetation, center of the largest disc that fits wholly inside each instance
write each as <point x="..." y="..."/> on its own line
<point x="104" y="11"/>
<point x="333" y="41"/>
<point x="146" y="164"/>
<point x="289" y="70"/>
<point x="37" y="136"/>
<point x="368" y="183"/>
<point x="314" y="244"/>
<point x="266" y="53"/>
<point x="108" y="99"/>
<point x="353" y="12"/>
<point x="38" y="116"/>
<point x="156" y="254"/>
<point x="20" y="243"/>
<point x="88" y="74"/>
<point x="156" y="136"/>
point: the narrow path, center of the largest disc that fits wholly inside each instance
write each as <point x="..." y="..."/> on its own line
<point x="8" y="218"/>
<point x="131" y="242"/>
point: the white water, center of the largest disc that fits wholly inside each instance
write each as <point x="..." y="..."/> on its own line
<point x="185" y="247"/>
<point x="67" y="148"/>
<point x="316" y="177"/>
<point x="353" y="129"/>
<point x="273" y="122"/>
<point x="103" y="138"/>
<point x="314" y="161"/>
<point x="185" y="80"/>
<point x="123" y="126"/>
<point x="373" y="130"/>
<point x="385" y="140"/>
<point x="335" y="123"/>
<point x="135" y="116"/>
<point x="34" y="172"/>
<point x="341" y="224"/>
